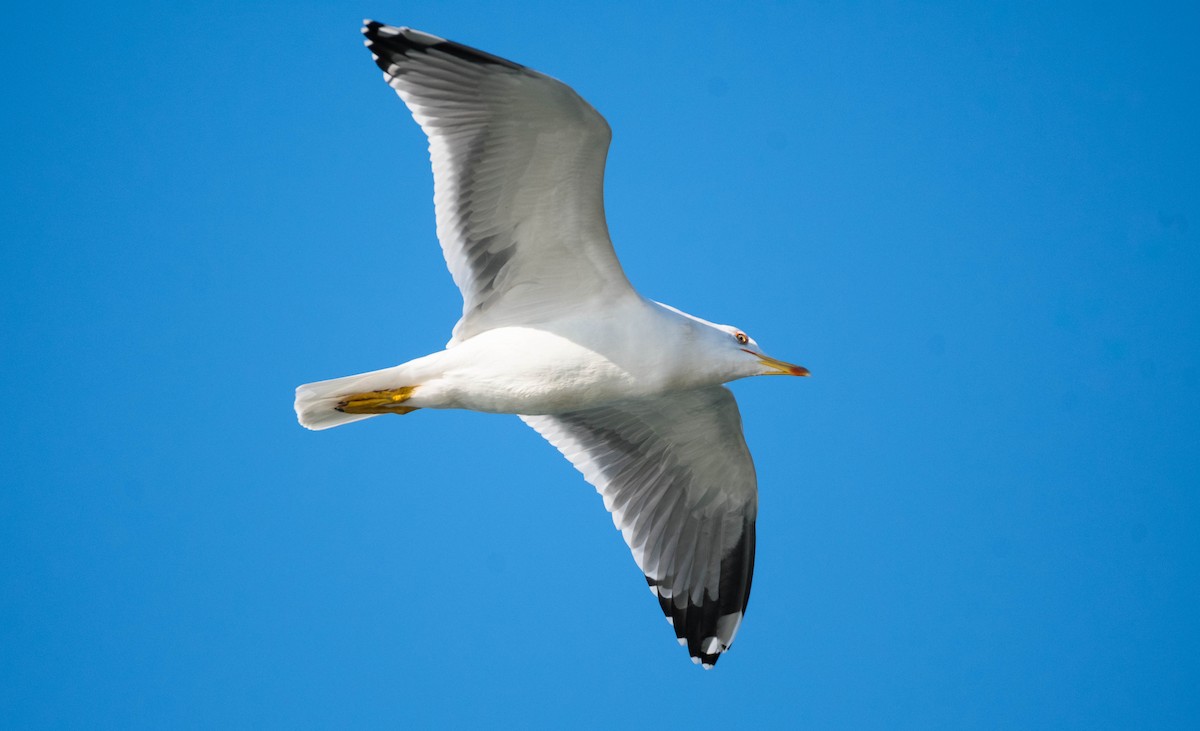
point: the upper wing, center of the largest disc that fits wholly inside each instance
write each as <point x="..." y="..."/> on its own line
<point x="518" y="172"/>
<point x="677" y="476"/>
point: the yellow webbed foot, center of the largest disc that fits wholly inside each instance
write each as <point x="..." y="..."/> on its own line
<point x="378" y="402"/>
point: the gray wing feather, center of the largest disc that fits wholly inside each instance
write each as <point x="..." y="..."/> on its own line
<point x="518" y="162"/>
<point x="677" y="476"/>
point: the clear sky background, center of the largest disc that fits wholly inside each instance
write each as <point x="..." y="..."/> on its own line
<point x="979" y="227"/>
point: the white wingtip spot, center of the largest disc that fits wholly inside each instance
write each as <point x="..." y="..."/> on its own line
<point x="706" y="665"/>
<point x="695" y="661"/>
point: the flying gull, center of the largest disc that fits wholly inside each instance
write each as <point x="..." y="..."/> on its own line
<point x="628" y="389"/>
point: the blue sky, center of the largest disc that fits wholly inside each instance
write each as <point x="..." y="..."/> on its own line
<point x="978" y="227"/>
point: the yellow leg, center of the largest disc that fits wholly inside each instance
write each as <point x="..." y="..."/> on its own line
<point x="378" y="402"/>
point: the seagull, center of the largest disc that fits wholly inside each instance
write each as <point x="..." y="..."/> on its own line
<point x="628" y="389"/>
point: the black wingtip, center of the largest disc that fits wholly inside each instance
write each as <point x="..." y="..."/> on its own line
<point x="387" y="42"/>
<point x="699" y="626"/>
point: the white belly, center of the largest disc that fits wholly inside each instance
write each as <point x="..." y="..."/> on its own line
<point x="523" y="371"/>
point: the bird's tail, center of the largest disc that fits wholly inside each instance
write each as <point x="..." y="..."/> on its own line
<point x="319" y="405"/>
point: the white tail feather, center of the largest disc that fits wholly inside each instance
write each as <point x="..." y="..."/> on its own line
<point x="316" y="402"/>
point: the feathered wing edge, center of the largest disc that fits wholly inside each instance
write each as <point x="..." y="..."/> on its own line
<point x="518" y="164"/>
<point x="676" y="475"/>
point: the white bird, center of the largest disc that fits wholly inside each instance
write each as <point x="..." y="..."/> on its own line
<point x="629" y="390"/>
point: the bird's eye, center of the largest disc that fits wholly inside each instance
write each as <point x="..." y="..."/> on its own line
<point x="741" y="337"/>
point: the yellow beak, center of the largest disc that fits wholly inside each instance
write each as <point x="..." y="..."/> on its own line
<point x="781" y="368"/>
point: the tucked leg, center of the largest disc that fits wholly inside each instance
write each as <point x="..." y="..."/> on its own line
<point x="378" y="402"/>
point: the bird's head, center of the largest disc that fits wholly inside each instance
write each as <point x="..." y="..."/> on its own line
<point x="729" y="352"/>
<point x="749" y="360"/>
